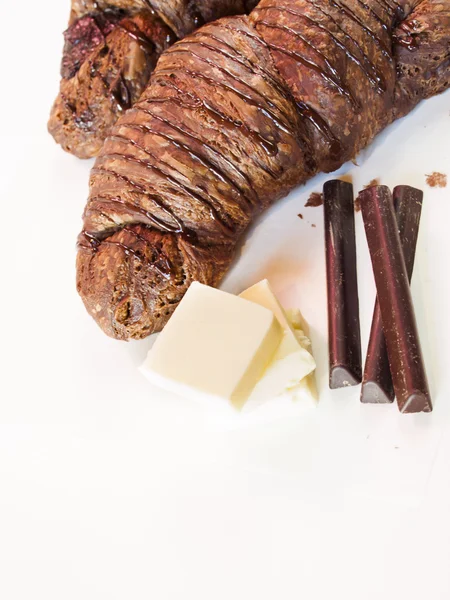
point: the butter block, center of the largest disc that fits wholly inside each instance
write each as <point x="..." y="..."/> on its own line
<point x="308" y="386"/>
<point x="293" y="361"/>
<point x="215" y="346"/>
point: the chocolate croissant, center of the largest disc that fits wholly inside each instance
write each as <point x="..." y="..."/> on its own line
<point x="236" y="115"/>
<point x="111" y="48"/>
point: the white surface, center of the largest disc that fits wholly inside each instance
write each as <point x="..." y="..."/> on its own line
<point x="111" y="491"/>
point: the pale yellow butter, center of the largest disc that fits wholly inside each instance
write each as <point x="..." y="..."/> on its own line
<point x="293" y="364"/>
<point x="307" y="386"/>
<point x="215" y="346"/>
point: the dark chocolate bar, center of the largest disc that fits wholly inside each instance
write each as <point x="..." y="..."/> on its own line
<point x="395" y="302"/>
<point x="377" y="386"/>
<point x="344" y="338"/>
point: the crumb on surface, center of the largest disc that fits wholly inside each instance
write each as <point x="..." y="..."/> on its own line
<point x="313" y="225"/>
<point x="436" y="179"/>
<point x="300" y="215"/>
<point x="315" y="200"/>
<point x="372" y="183"/>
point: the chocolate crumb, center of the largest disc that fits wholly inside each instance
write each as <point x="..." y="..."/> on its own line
<point x="315" y="200"/>
<point x="436" y="179"/>
<point x="312" y="225"/>
<point x="368" y="185"/>
<point x="300" y="215"/>
<point x="371" y="183"/>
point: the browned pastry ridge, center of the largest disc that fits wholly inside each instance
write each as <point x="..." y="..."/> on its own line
<point x="111" y="48"/>
<point x="236" y="115"/>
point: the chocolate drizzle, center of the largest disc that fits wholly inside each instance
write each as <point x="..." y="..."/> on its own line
<point x="395" y="6"/>
<point x="269" y="146"/>
<point x="320" y="124"/>
<point x="248" y="99"/>
<point x="408" y="37"/>
<point x="215" y="216"/>
<point x="306" y="111"/>
<point x="331" y="76"/>
<point x="365" y="6"/>
<point x="136" y="210"/>
<point x="245" y="62"/>
<point x="259" y="69"/>
<point x="190" y="135"/>
<point x="161" y="263"/>
<point x="226" y="122"/>
<point x="203" y="160"/>
<point x="409" y="42"/>
<point x="367" y="67"/>
<point x="344" y="9"/>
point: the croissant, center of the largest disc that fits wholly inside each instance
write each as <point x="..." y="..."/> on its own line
<point x="236" y="115"/>
<point x="111" y="48"/>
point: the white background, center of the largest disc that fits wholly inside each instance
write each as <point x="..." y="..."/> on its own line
<point x="111" y="490"/>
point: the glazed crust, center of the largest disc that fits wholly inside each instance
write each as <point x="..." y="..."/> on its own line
<point x="422" y="53"/>
<point x="111" y="49"/>
<point x="95" y="91"/>
<point x="237" y="114"/>
<point x="182" y="16"/>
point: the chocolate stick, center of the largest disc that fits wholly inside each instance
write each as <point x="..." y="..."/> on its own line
<point x="394" y="297"/>
<point x="377" y="386"/>
<point x="344" y="338"/>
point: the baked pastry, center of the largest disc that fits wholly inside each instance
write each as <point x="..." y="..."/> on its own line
<point x="237" y="114"/>
<point x="111" y="48"/>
